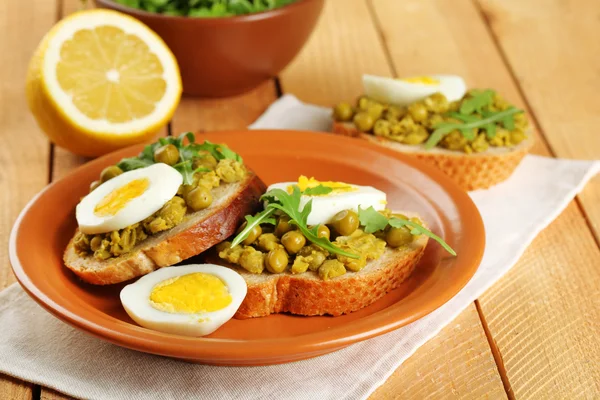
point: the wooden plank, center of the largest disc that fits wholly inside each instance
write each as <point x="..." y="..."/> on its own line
<point x="454" y="364"/>
<point x="555" y="56"/>
<point x="196" y="114"/>
<point x="49" y="394"/>
<point x="345" y="45"/>
<point x="14" y="389"/>
<point x="541" y="288"/>
<point x="545" y="314"/>
<point x="24" y="151"/>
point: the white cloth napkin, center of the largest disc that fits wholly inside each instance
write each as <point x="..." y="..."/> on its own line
<point x="37" y="347"/>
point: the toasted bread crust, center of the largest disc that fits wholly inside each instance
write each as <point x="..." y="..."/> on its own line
<point x="307" y="294"/>
<point x="470" y="171"/>
<point x="220" y="223"/>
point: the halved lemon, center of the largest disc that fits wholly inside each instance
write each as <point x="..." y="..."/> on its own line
<point x="101" y="80"/>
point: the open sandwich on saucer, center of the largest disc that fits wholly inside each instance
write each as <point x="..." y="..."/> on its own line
<point x="323" y="248"/>
<point x="173" y="201"/>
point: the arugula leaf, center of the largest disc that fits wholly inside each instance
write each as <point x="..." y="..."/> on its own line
<point x="317" y="190"/>
<point x="263" y="217"/>
<point x="490" y="130"/>
<point x="218" y="151"/>
<point x="290" y="205"/>
<point x="129" y="164"/>
<point x="419" y="230"/>
<point x="187" y="153"/>
<point x="444" y="128"/>
<point x="478" y="100"/>
<point x="372" y="220"/>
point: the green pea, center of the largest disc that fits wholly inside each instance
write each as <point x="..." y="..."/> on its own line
<point x="375" y="110"/>
<point x="283" y="226"/>
<point x="205" y="161"/>
<point x="110" y="172"/>
<point x="198" y="198"/>
<point x="277" y="261"/>
<point x="323" y="231"/>
<point x="396" y="237"/>
<point x="343" y="112"/>
<point x="167" y="154"/>
<point x="418" y="112"/>
<point x="364" y="121"/>
<point x="345" y="222"/>
<point x="293" y="241"/>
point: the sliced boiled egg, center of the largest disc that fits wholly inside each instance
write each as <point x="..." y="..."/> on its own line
<point x="127" y="198"/>
<point x="405" y="91"/>
<point x="191" y="300"/>
<point x="343" y="196"/>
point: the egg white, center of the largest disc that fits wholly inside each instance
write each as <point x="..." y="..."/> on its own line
<point x="402" y="93"/>
<point x="164" y="183"/>
<point x="325" y="207"/>
<point x="136" y="301"/>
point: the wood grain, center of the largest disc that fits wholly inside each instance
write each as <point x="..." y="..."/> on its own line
<point x="545" y="314"/>
<point x="196" y="114"/>
<point x="14" y="389"/>
<point x="50" y="394"/>
<point x="501" y="305"/>
<point x="559" y="76"/>
<point x="532" y="312"/>
<point x="24" y="151"/>
<point x="328" y="71"/>
<point x="344" y="45"/>
<point x="453" y="365"/>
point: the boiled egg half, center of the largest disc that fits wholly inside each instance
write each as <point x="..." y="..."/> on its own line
<point x="191" y="300"/>
<point x="405" y="91"/>
<point x="343" y="196"/>
<point x="127" y="198"/>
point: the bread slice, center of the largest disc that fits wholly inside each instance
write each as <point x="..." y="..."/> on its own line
<point x="308" y="294"/>
<point x="198" y="232"/>
<point x="469" y="171"/>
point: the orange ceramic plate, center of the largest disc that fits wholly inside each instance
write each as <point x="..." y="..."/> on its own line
<point x="44" y="227"/>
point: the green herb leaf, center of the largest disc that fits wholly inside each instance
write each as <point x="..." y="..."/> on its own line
<point x="218" y="151"/>
<point x="417" y="229"/>
<point x="444" y="128"/>
<point x="464" y="118"/>
<point x="441" y="130"/>
<point x="490" y="130"/>
<point x="372" y="220"/>
<point x="188" y="151"/>
<point x="289" y="204"/>
<point x="129" y="164"/>
<point x="478" y="100"/>
<point x="317" y="190"/>
<point x="263" y="217"/>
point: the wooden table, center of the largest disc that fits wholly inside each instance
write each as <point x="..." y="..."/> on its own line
<point x="535" y="334"/>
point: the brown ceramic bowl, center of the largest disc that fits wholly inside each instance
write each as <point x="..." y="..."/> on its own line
<point x="45" y="226"/>
<point x="221" y="57"/>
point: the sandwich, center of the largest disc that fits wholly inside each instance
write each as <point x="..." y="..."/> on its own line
<point x="475" y="137"/>
<point x="323" y="248"/>
<point x="174" y="200"/>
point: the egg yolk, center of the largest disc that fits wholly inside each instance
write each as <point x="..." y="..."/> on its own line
<point x="116" y="200"/>
<point x="190" y="294"/>
<point x="304" y="183"/>
<point x="423" y="80"/>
